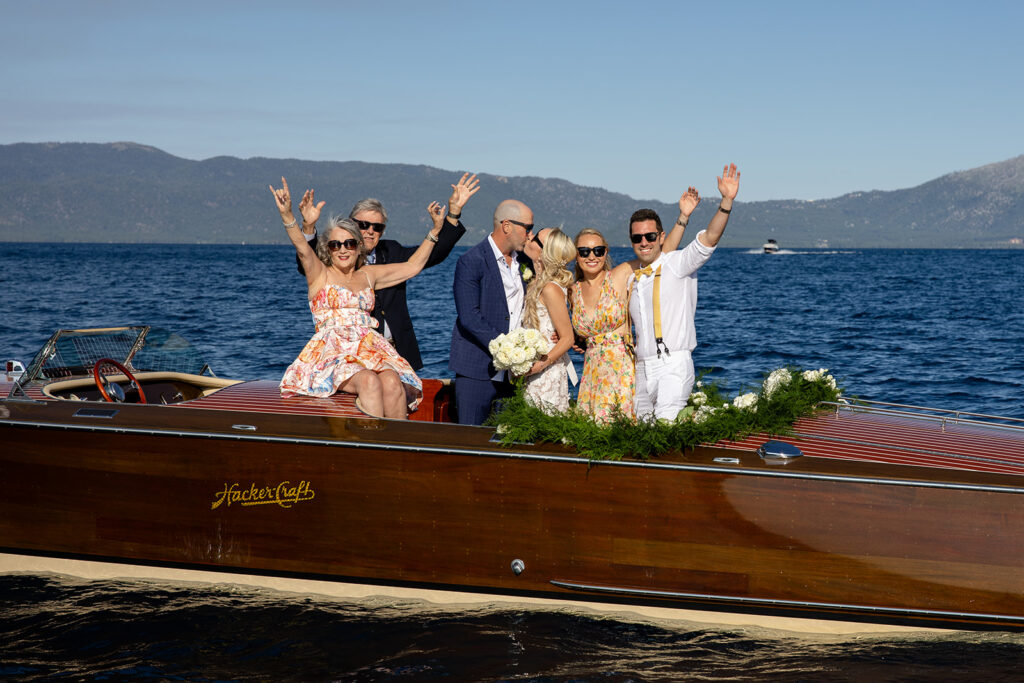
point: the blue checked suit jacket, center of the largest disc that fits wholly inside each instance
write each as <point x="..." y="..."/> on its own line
<point x="481" y="311"/>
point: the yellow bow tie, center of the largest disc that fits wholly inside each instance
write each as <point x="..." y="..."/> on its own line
<point x="646" y="270"/>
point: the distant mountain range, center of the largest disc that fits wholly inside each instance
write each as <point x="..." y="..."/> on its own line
<point x="126" y="192"/>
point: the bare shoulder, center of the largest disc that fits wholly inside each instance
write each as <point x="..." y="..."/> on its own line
<point x="552" y="289"/>
<point x="621" y="273"/>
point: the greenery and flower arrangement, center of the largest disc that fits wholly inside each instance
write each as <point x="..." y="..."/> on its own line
<point x="517" y="350"/>
<point x="785" y="395"/>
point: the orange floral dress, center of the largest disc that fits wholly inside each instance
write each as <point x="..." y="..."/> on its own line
<point x="345" y="343"/>
<point x="609" y="372"/>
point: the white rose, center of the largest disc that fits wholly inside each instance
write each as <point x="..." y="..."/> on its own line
<point x="745" y="401"/>
<point x="703" y="413"/>
<point x="699" y="398"/>
<point x="775" y="380"/>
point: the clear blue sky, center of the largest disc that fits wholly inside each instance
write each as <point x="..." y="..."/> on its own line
<point x="810" y="99"/>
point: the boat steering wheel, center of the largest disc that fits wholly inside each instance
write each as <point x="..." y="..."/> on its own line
<point x="102" y="381"/>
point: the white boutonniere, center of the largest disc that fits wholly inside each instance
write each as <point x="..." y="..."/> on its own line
<point x="525" y="272"/>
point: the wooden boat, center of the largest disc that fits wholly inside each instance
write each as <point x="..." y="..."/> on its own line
<point x="866" y="513"/>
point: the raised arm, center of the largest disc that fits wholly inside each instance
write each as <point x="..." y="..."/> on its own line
<point x="310" y="215"/>
<point x="452" y="230"/>
<point x="687" y="203"/>
<point x="553" y="298"/>
<point x="390" y="274"/>
<point x="729" y="186"/>
<point x="467" y="186"/>
<point x="310" y="211"/>
<point x="311" y="264"/>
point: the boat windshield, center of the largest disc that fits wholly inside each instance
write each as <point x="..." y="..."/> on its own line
<point x="71" y="353"/>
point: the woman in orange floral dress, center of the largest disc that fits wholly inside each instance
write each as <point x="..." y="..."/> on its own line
<point x="600" y="315"/>
<point x="346" y="353"/>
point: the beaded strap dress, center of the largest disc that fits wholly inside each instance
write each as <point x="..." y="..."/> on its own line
<point x="549" y="389"/>
<point x="345" y="342"/>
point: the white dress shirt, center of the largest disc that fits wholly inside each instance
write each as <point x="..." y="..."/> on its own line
<point x="678" y="296"/>
<point x="515" y="297"/>
<point x="513" y="283"/>
<point x="371" y="259"/>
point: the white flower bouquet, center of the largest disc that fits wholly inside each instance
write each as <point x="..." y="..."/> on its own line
<point x="776" y="380"/>
<point x="517" y="350"/>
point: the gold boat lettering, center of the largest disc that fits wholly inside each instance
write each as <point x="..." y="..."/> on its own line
<point x="284" y="494"/>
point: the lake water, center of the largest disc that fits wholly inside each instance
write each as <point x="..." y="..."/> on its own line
<point x="937" y="328"/>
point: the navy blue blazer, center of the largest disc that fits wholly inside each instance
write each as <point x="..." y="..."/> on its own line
<point x="481" y="310"/>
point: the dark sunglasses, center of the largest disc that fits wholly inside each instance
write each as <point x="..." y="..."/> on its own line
<point x="366" y="225"/>
<point x="528" y="226"/>
<point x="649" y="236"/>
<point x="585" y="251"/>
<point x="536" y="238"/>
<point x="335" y="245"/>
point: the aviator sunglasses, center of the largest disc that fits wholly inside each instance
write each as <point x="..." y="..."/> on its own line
<point x="335" y="245"/>
<point x="366" y="225"/>
<point x="649" y="236"/>
<point x="598" y="251"/>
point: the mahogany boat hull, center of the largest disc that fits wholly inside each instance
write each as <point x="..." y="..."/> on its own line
<point x="442" y="506"/>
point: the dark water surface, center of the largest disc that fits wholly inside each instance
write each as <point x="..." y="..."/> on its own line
<point x="938" y="328"/>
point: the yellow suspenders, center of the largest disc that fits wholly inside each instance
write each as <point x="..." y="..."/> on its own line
<point x="658" y="341"/>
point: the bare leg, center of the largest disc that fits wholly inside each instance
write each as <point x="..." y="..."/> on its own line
<point x="367" y="387"/>
<point x="394" y="395"/>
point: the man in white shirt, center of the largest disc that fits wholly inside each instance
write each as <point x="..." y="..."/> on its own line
<point x="663" y="299"/>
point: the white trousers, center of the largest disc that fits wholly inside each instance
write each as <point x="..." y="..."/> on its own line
<point x="663" y="385"/>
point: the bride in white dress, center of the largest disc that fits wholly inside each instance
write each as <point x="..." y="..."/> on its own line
<point x="547" y="382"/>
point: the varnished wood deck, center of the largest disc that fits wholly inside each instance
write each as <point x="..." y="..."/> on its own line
<point x="901" y="440"/>
<point x="845" y="434"/>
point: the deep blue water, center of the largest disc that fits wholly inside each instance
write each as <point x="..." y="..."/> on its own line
<point x="938" y="328"/>
<point x="932" y="327"/>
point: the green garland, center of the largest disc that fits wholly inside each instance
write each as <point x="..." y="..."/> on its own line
<point x="786" y="395"/>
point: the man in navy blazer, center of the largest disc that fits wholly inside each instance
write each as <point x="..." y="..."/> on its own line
<point x="489" y="288"/>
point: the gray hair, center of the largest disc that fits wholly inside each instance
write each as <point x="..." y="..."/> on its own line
<point x="349" y="226"/>
<point x="369" y="204"/>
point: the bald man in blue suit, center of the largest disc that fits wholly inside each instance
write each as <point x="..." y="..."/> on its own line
<point x="489" y="290"/>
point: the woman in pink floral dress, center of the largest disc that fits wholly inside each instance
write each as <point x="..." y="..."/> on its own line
<point x="346" y="353"/>
<point x="600" y="315"/>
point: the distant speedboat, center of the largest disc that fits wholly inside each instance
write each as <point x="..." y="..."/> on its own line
<point x="771" y="247"/>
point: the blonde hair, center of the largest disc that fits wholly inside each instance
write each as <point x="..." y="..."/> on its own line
<point x="607" y="254"/>
<point x="558" y="251"/>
